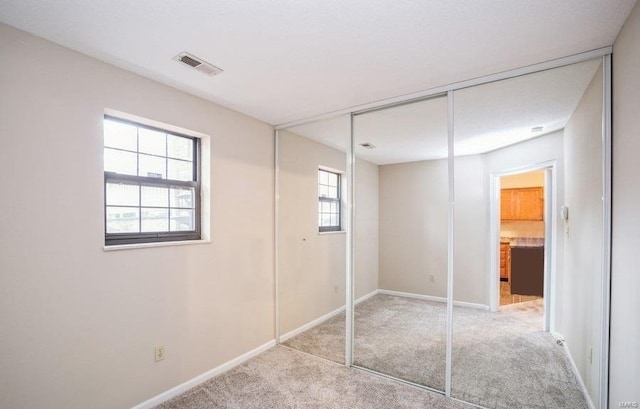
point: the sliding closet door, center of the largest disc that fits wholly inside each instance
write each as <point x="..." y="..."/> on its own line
<point x="524" y="277"/>
<point x="400" y="240"/>
<point x="312" y="239"/>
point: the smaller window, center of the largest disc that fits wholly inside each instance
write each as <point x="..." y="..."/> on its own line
<point x="329" y="207"/>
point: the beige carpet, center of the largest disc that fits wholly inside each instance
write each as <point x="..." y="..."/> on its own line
<point x="500" y="360"/>
<point x="283" y="378"/>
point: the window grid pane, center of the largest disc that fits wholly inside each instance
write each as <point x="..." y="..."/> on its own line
<point x="141" y="210"/>
<point x="119" y="161"/>
<point x="154" y="219"/>
<point x="154" y="196"/>
<point x="120" y="135"/>
<point x="121" y="194"/>
<point x="123" y="219"/>
<point x="328" y="201"/>
<point x="152" y="142"/>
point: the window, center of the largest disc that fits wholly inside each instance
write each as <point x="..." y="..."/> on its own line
<point x="329" y="209"/>
<point x="151" y="184"/>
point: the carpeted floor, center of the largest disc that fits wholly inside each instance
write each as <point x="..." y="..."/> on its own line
<point x="285" y="378"/>
<point x="500" y="360"/>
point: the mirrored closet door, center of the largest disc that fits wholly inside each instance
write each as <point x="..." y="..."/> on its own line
<point x="515" y="214"/>
<point x="400" y="241"/>
<point x="524" y="277"/>
<point x="312" y="240"/>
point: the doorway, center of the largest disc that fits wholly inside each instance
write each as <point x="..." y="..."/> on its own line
<point x="534" y="239"/>
<point x="522" y="233"/>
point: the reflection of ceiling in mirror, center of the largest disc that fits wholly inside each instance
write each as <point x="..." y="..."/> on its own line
<point x="406" y="133"/>
<point x="487" y="117"/>
<point x="502" y="113"/>
<point x="333" y="131"/>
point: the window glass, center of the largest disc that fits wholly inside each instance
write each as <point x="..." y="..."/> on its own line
<point x="123" y="162"/>
<point x="151" y="186"/>
<point x="153" y="142"/>
<point x="179" y="147"/>
<point x="119" y="194"/>
<point x="120" y="135"/>
<point x="180" y="170"/>
<point x="328" y="201"/>
<point x="154" y="196"/>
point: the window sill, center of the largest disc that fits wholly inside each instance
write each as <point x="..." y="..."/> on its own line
<point x="322" y="233"/>
<point x="157" y="244"/>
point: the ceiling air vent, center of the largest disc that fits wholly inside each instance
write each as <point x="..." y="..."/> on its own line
<point x="368" y="145"/>
<point x="198" y="63"/>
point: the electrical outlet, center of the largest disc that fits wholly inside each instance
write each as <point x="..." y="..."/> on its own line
<point x="159" y="353"/>
<point x="432" y="278"/>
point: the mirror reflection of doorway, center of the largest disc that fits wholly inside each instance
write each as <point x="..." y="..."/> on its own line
<point x="522" y="234"/>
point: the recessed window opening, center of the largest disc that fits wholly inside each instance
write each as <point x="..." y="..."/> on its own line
<point x="329" y="197"/>
<point x="151" y="184"/>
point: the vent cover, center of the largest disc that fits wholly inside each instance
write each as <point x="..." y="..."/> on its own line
<point x="368" y="145"/>
<point x="198" y="63"/>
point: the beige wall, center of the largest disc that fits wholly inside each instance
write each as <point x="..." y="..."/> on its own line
<point x="582" y="295"/>
<point x="366" y="234"/>
<point x="529" y="179"/>
<point x="79" y="324"/>
<point x="311" y="265"/>
<point x="471" y="245"/>
<point x="625" y="280"/>
<point x="413" y="219"/>
<point x="413" y="227"/>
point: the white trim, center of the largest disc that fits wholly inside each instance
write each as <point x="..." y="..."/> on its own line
<point x="156" y="124"/>
<point x="183" y="387"/>
<point x="605" y="309"/>
<point x="560" y="62"/>
<point x="276" y="235"/>
<point x="494" y="242"/>
<point x="451" y="212"/>
<point x="154" y="244"/>
<point x="366" y="296"/>
<point x="550" y="243"/>
<point x="574" y="368"/>
<point x="311" y="324"/>
<point x="323" y="318"/>
<point x="331" y="170"/>
<point x="350" y="246"/>
<point x="323" y="233"/>
<point x="434" y="298"/>
<point x="398" y="380"/>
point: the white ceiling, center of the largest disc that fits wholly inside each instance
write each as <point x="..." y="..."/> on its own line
<point x="286" y="60"/>
<point x="487" y="117"/>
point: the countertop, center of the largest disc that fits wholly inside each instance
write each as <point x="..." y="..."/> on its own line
<point x="523" y="241"/>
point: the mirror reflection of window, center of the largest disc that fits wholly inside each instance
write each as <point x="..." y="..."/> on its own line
<point x="329" y="201"/>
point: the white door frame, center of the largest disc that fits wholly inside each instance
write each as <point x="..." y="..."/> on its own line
<point x="550" y="223"/>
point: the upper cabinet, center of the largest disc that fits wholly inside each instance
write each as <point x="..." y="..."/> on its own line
<point x="522" y="204"/>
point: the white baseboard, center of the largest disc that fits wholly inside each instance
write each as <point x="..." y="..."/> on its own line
<point x="574" y="368"/>
<point x="173" y="392"/>
<point x="366" y="296"/>
<point x="320" y="320"/>
<point x="310" y="324"/>
<point x="434" y="298"/>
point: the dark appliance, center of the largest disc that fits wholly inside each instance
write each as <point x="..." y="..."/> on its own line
<point x="527" y="270"/>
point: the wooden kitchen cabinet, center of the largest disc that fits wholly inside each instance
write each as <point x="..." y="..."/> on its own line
<point x="505" y="262"/>
<point x="522" y="204"/>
